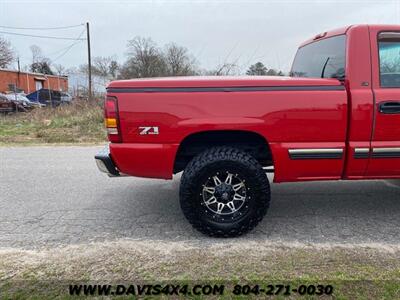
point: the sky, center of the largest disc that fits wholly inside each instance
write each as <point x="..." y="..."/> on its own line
<point x="215" y="32"/>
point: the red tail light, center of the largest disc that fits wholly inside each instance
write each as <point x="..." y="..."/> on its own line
<point x="111" y="120"/>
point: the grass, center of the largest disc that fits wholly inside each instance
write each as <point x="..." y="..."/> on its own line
<point x="79" y="122"/>
<point x="355" y="273"/>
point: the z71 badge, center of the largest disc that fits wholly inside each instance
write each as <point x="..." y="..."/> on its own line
<point x="148" y="130"/>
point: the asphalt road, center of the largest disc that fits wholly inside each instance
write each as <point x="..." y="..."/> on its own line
<point x="53" y="196"/>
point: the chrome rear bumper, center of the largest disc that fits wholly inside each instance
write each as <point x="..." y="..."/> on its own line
<point x="105" y="163"/>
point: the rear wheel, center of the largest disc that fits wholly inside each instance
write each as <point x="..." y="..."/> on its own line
<point x="224" y="192"/>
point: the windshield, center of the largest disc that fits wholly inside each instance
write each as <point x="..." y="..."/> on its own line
<point x="323" y="59"/>
<point x="17" y="97"/>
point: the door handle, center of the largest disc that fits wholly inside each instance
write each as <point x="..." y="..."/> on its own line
<point x="389" y="107"/>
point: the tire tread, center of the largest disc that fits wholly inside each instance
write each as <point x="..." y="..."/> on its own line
<point x="223" y="154"/>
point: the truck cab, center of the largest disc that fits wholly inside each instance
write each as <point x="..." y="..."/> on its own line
<point x="365" y="58"/>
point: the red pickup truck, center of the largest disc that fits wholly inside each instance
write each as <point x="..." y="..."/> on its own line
<point x="337" y="117"/>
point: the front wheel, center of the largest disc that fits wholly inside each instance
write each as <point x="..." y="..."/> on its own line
<point x="224" y="192"/>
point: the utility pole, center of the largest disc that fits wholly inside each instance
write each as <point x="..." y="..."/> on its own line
<point x="89" y="62"/>
<point x="19" y="71"/>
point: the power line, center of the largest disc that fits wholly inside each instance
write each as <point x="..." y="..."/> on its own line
<point x="41" y="36"/>
<point x="64" y="48"/>
<point x="41" y="28"/>
<point x="77" y="41"/>
<point x="60" y="50"/>
<point x="66" y="51"/>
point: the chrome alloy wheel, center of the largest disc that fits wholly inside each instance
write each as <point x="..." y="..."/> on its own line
<point x="224" y="194"/>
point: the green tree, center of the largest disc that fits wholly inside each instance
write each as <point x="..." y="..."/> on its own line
<point x="41" y="67"/>
<point x="257" y="69"/>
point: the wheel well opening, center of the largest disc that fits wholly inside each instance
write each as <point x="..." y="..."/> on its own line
<point x="247" y="141"/>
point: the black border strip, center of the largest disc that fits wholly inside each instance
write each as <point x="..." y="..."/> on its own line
<point x="388" y="154"/>
<point x="361" y="155"/>
<point x="316" y="156"/>
<point x="227" y="89"/>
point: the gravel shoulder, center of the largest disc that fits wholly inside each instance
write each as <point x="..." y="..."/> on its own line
<point x="361" y="272"/>
<point x="156" y="260"/>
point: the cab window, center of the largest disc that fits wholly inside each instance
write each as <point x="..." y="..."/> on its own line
<point x="321" y="59"/>
<point x="389" y="59"/>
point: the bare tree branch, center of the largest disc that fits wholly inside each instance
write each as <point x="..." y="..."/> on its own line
<point x="40" y="63"/>
<point x="145" y="59"/>
<point x="179" y="61"/>
<point x="7" y="54"/>
<point x="225" y="69"/>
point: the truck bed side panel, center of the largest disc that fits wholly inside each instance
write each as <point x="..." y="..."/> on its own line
<point x="295" y="119"/>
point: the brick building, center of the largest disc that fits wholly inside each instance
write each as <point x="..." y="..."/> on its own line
<point x="29" y="82"/>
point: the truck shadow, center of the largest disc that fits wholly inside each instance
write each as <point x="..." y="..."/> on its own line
<point x="315" y="212"/>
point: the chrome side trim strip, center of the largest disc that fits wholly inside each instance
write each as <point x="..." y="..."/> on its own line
<point x="323" y="153"/>
<point x="380" y="150"/>
<point x="335" y="153"/>
<point x="361" y="152"/>
<point x="387" y="152"/>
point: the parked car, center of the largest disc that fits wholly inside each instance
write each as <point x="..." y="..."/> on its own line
<point x="50" y="97"/>
<point x="6" y="106"/>
<point x="16" y="103"/>
<point x="337" y="117"/>
<point x="23" y="100"/>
